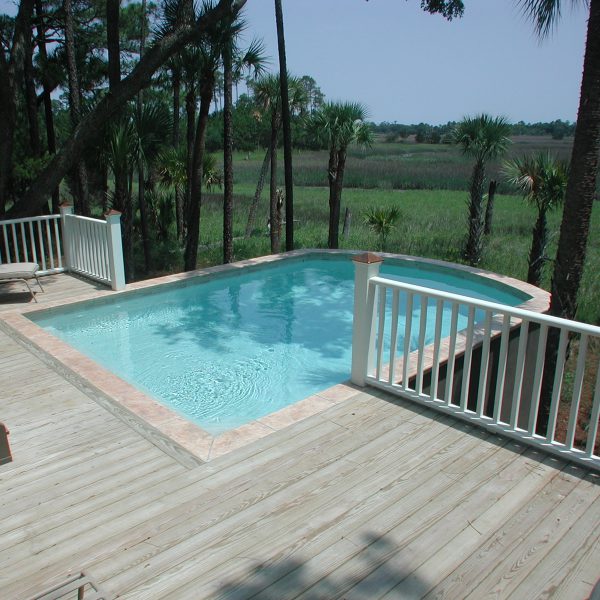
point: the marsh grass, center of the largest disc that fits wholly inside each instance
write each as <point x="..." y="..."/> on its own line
<point x="400" y="165"/>
<point x="426" y="183"/>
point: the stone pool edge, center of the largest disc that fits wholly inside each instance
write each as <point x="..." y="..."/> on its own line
<point x="166" y="422"/>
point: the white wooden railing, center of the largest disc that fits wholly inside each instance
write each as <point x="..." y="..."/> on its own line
<point x="479" y="361"/>
<point x="35" y="239"/>
<point x="93" y="247"/>
<point x="67" y="242"/>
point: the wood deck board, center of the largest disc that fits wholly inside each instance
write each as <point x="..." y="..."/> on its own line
<point x="371" y="497"/>
<point x="310" y="493"/>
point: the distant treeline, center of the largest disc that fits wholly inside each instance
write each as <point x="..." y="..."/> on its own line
<point x="442" y="134"/>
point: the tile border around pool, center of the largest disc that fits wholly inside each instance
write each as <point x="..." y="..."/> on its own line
<point x="187" y="435"/>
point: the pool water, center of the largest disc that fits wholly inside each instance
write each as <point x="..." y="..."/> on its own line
<point x="230" y="349"/>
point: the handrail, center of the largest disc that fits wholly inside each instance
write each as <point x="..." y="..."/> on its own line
<point x="34" y="239"/>
<point x="480" y="361"/>
<point x="67" y="242"/>
<point x="576" y="326"/>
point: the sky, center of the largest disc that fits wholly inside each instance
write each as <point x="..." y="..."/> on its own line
<point x="408" y="66"/>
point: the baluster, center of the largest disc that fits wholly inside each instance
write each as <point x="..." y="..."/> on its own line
<point x="451" y="353"/>
<point x="485" y="361"/>
<point x="468" y="355"/>
<point x="15" y="242"/>
<point x="435" y="371"/>
<point x="24" y="242"/>
<point x="557" y="385"/>
<point x="501" y="377"/>
<point x="407" y="333"/>
<point x="421" y="349"/>
<point x="394" y="338"/>
<point x="520" y="369"/>
<point x="49" y="239"/>
<point x="6" y="244"/>
<point x="594" y="416"/>
<point x="537" y="378"/>
<point x="577" y="386"/>
<point x="381" y="329"/>
<point x="41" y="242"/>
<point x="32" y="238"/>
<point x="57" y="244"/>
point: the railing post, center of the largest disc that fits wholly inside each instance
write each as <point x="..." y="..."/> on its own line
<point x="66" y="209"/>
<point x="366" y="266"/>
<point x="115" y="250"/>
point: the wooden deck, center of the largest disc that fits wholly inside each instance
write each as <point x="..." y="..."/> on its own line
<point x="372" y="498"/>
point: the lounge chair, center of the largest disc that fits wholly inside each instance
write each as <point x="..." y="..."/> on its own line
<point x="21" y="271"/>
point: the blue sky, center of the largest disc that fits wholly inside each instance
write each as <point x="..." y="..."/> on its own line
<point x="408" y="66"/>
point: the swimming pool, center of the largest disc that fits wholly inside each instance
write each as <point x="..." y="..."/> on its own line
<point x="225" y="350"/>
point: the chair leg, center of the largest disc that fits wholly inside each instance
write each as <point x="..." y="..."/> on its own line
<point x="29" y="288"/>
<point x="38" y="282"/>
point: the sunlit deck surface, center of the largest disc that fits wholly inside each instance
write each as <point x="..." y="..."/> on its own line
<point x="371" y="498"/>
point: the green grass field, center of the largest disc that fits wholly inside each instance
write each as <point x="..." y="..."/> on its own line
<point x="432" y="204"/>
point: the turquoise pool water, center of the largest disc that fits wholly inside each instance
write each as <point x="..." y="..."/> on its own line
<point x="230" y="349"/>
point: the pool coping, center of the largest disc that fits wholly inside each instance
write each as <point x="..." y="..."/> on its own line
<point x="166" y="422"/>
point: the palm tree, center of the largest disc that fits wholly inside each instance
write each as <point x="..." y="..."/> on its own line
<point x="581" y="185"/>
<point x="122" y="145"/>
<point x="339" y="124"/>
<point x="153" y="123"/>
<point x="287" y="130"/>
<point x="381" y="221"/>
<point x="542" y="180"/>
<point x="483" y="138"/>
<point x="211" y="49"/>
<point x="252" y="59"/>
<point x="267" y="93"/>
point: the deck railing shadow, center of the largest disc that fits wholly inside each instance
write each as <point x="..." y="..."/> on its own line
<point x="374" y="576"/>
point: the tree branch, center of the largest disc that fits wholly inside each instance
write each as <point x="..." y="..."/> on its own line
<point x="91" y="125"/>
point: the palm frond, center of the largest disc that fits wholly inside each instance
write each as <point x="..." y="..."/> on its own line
<point x="545" y="14"/>
<point x="484" y="137"/>
<point x="541" y="179"/>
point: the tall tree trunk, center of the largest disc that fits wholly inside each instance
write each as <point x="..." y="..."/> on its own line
<point x="287" y="131"/>
<point x="112" y="43"/>
<point x="82" y="199"/>
<point x="579" y="199"/>
<point x="273" y="213"/>
<point x="227" y="155"/>
<point x="31" y="103"/>
<point x="88" y="130"/>
<point x="47" y="98"/>
<point x="489" y="209"/>
<point x="193" y="224"/>
<point x="10" y="73"/>
<point x="140" y="163"/>
<point x="474" y="243"/>
<point x="176" y="79"/>
<point x="337" y="165"/>
<point x="259" y="188"/>
<point x="190" y="111"/>
<point x="537" y="254"/>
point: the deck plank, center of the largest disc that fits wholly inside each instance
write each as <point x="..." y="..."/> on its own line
<point x="372" y="496"/>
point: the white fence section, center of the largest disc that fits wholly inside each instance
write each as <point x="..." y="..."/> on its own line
<point x="67" y="242"/>
<point x="480" y="361"/>
<point x="36" y="239"/>
<point x="87" y="247"/>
